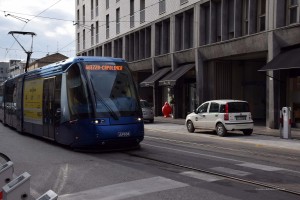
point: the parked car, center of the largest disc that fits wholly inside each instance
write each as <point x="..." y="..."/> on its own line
<point x="148" y="114"/>
<point x="221" y="116"/>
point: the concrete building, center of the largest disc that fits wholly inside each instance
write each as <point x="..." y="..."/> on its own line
<point x="16" y="67"/>
<point x="3" y="71"/>
<point x="48" y="59"/>
<point x="190" y="51"/>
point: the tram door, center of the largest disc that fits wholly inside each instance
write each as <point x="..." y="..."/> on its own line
<point x="48" y="107"/>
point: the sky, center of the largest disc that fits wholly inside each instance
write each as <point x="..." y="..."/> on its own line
<point x="51" y="20"/>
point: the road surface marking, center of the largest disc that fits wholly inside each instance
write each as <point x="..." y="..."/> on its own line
<point x="202" y="176"/>
<point x="230" y="171"/>
<point x="261" y="167"/>
<point x="126" y="189"/>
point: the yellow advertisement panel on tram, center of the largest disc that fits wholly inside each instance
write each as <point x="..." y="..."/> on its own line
<point x="33" y="101"/>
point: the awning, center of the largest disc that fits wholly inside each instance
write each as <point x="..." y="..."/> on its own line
<point x="286" y="60"/>
<point x="154" y="77"/>
<point x="171" y="78"/>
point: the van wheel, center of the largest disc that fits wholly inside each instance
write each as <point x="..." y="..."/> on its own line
<point x="190" y="127"/>
<point x="248" y="131"/>
<point x="221" y="130"/>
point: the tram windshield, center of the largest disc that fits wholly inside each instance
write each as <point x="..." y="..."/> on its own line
<point x="113" y="88"/>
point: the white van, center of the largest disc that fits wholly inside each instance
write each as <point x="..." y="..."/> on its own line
<point x="221" y="116"/>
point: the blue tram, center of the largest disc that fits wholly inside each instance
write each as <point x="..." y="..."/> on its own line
<point x="80" y="102"/>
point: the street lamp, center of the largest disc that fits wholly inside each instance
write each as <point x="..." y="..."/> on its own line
<point x="27" y="52"/>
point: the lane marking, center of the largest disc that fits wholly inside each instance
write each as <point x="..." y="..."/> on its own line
<point x="61" y="178"/>
<point x="126" y="189"/>
<point x="202" y="176"/>
<point x="231" y="171"/>
<point x="261" y="167"/>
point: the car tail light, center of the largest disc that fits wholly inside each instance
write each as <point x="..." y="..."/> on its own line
<point x="226" y="115"/>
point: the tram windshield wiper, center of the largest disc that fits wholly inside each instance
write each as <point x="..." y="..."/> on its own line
<point x="99" y="98"/>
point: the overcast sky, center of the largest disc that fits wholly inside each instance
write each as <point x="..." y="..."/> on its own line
<point x="50" y="20"/>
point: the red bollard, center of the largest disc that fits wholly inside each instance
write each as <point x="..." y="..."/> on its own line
<point x="1" y="196"/>
<point x="167" y="109"/>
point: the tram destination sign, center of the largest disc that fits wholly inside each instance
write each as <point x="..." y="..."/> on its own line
<point x="104" y="67"/>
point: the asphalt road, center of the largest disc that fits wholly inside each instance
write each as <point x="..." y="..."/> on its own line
<point x="169" y="165"/>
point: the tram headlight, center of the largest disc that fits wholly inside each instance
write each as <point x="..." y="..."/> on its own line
<point x="139" y="119"/>
<point x="96" y="122"/>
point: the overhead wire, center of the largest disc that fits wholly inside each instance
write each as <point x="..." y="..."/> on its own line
<point x="74" y="23"/>
<point x="30" y="20"/>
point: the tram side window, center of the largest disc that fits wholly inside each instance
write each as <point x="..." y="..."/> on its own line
<point x="10" y="93"/>
<point x="77" y="94"/>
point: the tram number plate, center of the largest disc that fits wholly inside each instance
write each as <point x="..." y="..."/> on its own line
<point x="123" y="134"/>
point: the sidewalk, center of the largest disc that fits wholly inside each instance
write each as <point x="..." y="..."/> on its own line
<point x="258" y="129"/>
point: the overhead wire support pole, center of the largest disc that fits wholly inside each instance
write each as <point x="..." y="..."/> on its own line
<point x="27" y="52"/>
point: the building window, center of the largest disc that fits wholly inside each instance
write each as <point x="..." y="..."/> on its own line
<point x="107" y="26"/>
<point x="117" y="20"/>
<point x="107" y="4"/>
<point x="245" y="22"/>
<point x="142" y="11"/>
<point x="92" y="34"/>
<point x="83" y="14"/>
<point x="78" y="41"/>
<point x="97" y="32"/>
<point x="292" y="11"/>
<point x="97" y="8"/>
<point x="83" y="39"/>
<point x="162" y="44"/>
<point x="78" y="18"/>
<point x="162" y="6"/>
<point x="131" y="13"/>
<point x="92" y="9"/>
<point x="183" y="1"/>
<point x="261" y="15"/>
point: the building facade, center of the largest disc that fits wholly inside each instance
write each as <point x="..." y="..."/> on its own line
<point x="48" y="59"/>
<point x="189" y="51"/>
<point x="4" y="69"/>
<point x="16" y="67"/>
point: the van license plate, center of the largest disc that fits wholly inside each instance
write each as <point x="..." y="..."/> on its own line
<point x="240" y="117"/>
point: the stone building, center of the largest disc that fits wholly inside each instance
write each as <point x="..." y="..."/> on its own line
<point x="48" y="59"/>
<point x="3" y="71"/>
<point x="191" y="51"/>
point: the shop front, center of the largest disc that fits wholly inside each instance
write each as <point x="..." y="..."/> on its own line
<point x="285" y="70"/>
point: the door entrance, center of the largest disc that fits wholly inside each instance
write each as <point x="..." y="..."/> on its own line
<point x="48" y="108"/>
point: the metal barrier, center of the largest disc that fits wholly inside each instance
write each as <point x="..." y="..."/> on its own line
<point x="6" y="174"/>
<point x="49" y="195"/>
<point x="285" y="123"/>
<point x="19" y="187"/>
